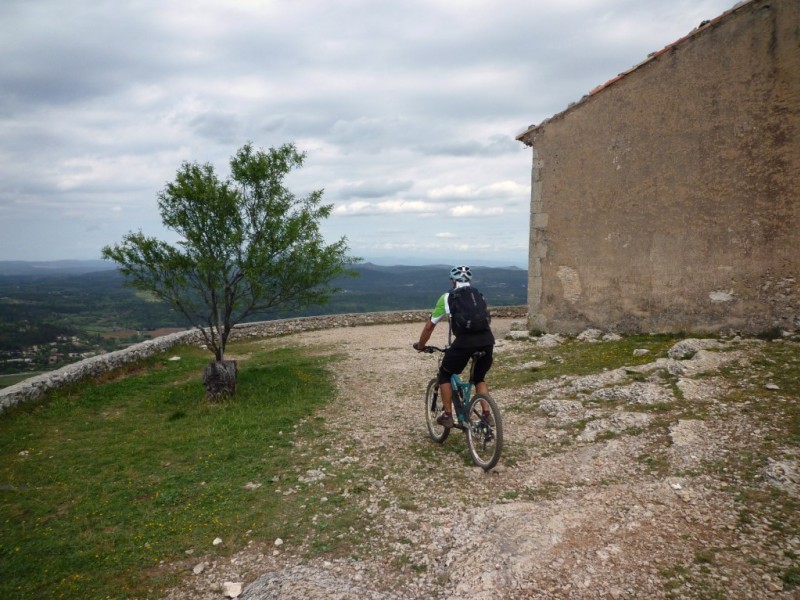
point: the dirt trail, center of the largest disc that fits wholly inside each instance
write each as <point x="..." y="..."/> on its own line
<point x="593" y="499"/>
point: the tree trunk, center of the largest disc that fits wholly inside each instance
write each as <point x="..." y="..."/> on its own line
<point x="219" y="377"/>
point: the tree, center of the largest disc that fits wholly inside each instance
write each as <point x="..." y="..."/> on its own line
<point x="247" y="245"/>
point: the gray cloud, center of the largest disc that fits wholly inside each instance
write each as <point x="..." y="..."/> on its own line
<point x="407" y="110"/>
<point x="374" y="189"/>
<point x="497" y="144"/>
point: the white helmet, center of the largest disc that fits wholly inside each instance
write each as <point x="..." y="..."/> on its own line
<point x="461" y="273"/>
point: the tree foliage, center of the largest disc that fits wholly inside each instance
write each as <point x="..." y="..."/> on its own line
<point x="247" y="244"/>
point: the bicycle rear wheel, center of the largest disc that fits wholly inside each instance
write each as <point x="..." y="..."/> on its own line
<point x="433" y="408"/>
<point x="484" y="433"/>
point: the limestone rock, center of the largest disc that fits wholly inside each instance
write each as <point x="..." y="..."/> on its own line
<point x="550" y="340"/>
<point x="686" y="349"/>
<point x="617" y="423"/>
<point x="637" y="393"/>
<point x="518" y="335"/>
<point x="232" y="589"/>
<point x="590" y="335"/>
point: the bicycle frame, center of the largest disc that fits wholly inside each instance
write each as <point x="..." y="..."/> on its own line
<point x="462" y="392"/>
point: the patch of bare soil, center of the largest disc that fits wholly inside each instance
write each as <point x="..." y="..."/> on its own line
<point x="634" y="483"/>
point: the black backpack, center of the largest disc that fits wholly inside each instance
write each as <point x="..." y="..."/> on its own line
<point x="468" y="311"/>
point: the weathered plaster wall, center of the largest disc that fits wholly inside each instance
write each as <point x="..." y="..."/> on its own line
<point x="670" y="200"/>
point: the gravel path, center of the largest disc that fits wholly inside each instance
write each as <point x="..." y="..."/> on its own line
<point x="607" y="490"/>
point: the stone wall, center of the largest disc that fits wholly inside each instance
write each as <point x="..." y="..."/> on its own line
<point x="669" y="199"/>
<point x="35" y="387"/>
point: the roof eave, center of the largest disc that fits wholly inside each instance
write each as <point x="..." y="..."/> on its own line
<point x="526" y="136"/>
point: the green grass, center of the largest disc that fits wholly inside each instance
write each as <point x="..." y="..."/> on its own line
<point x="103" y="483"/>
<point x="580" y="358"/>
<point x="9" y="380"/>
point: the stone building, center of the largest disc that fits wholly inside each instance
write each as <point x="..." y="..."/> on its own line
<point x="667" y="199"/>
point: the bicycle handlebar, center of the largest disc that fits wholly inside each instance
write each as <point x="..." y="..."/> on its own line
<point x="432" y="349"/>
<point x="429" y="349"/>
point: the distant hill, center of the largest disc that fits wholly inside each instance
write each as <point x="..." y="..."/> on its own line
<point x="81" y="295"/>
<point x="398" y="287"/>
<point x="54" y="267"/>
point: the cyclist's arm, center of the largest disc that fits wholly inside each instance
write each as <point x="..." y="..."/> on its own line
<point x="427" y="330"/>
<point x="438" y="313"/>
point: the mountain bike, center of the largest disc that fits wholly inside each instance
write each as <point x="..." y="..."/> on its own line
<point x="476" y="415"/>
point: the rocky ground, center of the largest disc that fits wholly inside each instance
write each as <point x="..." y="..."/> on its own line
<point x="666" y="480"/>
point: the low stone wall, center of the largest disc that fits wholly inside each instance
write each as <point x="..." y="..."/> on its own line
<point x="35" y="387"/>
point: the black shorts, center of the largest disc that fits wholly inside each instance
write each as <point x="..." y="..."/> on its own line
<point x="456" y="358"/>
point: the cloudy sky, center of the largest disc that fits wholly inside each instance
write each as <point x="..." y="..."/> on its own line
<point x="407" y="110"/>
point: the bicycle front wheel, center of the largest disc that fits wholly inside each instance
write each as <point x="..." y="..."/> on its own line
<point x="433" y="408"/>
<point x="485" y="431"/>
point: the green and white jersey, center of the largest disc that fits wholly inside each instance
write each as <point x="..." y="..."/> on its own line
<point x="442" y="307"/>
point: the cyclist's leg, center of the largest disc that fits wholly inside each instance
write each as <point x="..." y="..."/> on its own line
<point x="482" y="367"/>
<point x="482" y="388"/>
<point x="446" y="394"/>
<point x="454" y="361"/>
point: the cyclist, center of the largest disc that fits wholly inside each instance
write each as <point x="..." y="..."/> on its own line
<point x="461" y="350"/>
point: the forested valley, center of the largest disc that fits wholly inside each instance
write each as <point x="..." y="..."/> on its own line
<point x="54" y="316"/>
